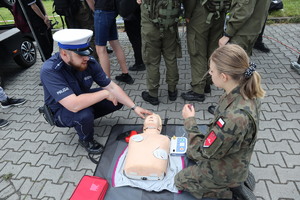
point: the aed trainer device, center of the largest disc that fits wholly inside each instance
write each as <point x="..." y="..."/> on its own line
<point x="178" y="145"/>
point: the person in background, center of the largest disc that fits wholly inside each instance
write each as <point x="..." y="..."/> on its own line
<point x="223" y="153"/>
<point x="67" y="79"/>
<point x="159" y="20"/>
<point x="205" y="24"/>
<point x="7" y="102"/>
<point x="41" y="25"/>
<point x="246" y="20"/>
<point x="105" y="14"/>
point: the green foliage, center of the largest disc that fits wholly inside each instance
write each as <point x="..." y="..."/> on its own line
<point x="7" y="177"/>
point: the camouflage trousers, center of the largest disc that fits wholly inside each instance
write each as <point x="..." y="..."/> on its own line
<point x="202" y="40"/>
<point x="245" y="41"/>
<point x="195" y="181"/>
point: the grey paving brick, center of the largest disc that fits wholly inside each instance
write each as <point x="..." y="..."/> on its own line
<point x="283" y="191"/>
<point x="35" y="189"/>
<point x="261" y="146"/>
<point x="284" y="125"/>
<point x="269" y="124"/>
<point x="281" y="106"/>
<point x="292" y="160"/>
<point x="265" y="173"/>
<point x="53" y="190"/>
<point x="46" y="147"/>
<point x="30" y="146"/>
<point x="270" y="159"/>
<point x="66" y="161"/>
<point x="14" y="169"/>
<point x="47" y="137"/>
<point x="29" y="135"/>
<point x="71" y="176"/>
<point x="30" y="158"/>
<point x="273" y="115"/>
<point x="69" y="191"/>
<point x="13" y="156"/>
<point x="13" y="144"/>
<point x="282" y="146"/>
<point x="292" y="116"/>
<point x="30" y="171"/>
<point x="261" y="191"/>
<point x="86" y="164"/>
<point x="52" y="174"/>
<point x="265" y="134"/>
<point x="50" y="160"/>
<point x="286" y="134"/>
<point x="18" y="183"/>
<point x="65" y="149"/>
<point x="288" y="174"/>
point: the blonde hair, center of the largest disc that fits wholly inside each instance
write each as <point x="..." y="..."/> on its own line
<point x="232" y="60"/>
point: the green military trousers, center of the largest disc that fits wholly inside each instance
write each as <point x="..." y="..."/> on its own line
<point x="199" y="183"/>
<point x="245" y="41"/>
<point x="202" y="40"/>
<point x="154" y="44"/>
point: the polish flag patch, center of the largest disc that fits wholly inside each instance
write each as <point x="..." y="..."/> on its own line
<point x="210" y="139"/>
<point x="220" y="122"/>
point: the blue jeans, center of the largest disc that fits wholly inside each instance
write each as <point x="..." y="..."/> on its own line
<point x="3" y="96"/>
<point x="105" y="27"/>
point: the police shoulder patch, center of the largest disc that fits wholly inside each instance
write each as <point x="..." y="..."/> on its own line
<point x="210" y="139"/>
<point x="220" y="122"/>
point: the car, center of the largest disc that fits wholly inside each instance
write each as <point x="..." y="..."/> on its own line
<point x="13" y="43"/>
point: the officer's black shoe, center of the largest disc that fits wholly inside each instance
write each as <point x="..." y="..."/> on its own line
<point x="153" y="100"/>
<point x="126" y="78"/>
<point x="92" y="147"/>
<point x="193" y="96"/>
<point x="140" y="67"/>
<point x="262" y="47"/>
<point x="173" y="95"/>
<point x="207" y="88"/>
<point x="211" y="109"/>
<point x="109" y="50"/>
<point x="243" y="193"/>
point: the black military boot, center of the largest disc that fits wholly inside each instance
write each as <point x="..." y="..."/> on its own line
<point x="242" y="192"/>
<point x="193" y="96"/>
<point x="250" y="181"/>
<point x="147" y="97"/>
<point x="211" y="109"/>
<point x="261" y="47"/>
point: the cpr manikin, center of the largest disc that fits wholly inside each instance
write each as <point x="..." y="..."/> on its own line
<point x="148" y="152"/>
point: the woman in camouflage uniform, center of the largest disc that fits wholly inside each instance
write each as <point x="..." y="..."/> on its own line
<point x="223" y="153"/>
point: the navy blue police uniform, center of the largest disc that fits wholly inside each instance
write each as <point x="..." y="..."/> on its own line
<point x="61" y="80"/>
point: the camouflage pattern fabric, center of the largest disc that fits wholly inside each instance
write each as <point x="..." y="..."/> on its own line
<point x="223" y="153"/>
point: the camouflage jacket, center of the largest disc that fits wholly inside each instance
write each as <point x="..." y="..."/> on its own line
<point x="223" y="153"/>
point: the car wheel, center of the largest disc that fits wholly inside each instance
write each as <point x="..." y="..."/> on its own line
<point x="8" y="3"/>
<point x="27" y="56"/>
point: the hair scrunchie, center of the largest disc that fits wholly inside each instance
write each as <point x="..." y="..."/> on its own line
<point x="249" y="71"/>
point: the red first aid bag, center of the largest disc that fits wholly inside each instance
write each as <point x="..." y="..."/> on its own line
<point x="91" y="188"/>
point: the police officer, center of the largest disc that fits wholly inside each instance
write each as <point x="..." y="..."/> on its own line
<point x="223" y="153"/>
<point x="160" y="37"/>
<point x="67" y="78"/>
<point x="205" y="21"/>
<point x="246" y="19"/>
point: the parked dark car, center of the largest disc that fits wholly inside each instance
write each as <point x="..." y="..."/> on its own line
<point x="13" y="43"/>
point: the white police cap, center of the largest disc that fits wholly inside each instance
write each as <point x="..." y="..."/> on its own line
<point x="77" y="40"/>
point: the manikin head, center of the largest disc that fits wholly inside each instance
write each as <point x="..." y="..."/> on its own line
<point x="152" y="123"/>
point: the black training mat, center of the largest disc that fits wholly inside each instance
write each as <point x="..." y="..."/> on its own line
<point x="114" y="148"/>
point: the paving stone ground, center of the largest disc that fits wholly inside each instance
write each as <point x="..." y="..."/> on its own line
<point x="38" y="161"/>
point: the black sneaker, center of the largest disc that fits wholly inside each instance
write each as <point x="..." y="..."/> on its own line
<point x="3" y="123"/>
<point x="193" y="96"/>
<point x="211" y="109"/>
<point x="261" y="47"/>
<point x="109" y="50"/>
<point x="153" y="100"/>
<point x="173" y="95"/>
<point x="92" y="147"/>
<point x="140" y="67"/>
<point x="207" y="88"/>
<point x="12" y="102"/>
<point x="126" y="78"/>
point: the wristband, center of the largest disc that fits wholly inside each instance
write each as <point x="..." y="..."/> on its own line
<point x="133" y="107"/>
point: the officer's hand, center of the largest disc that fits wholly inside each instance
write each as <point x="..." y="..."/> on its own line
<point x="139" y="1"/>
<point x="188" y="110"/>
<point x="112" y="98"/>
<point x="187" y="20"/>
<point x="142" y="112"/>
<point x="223" y="41"/>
